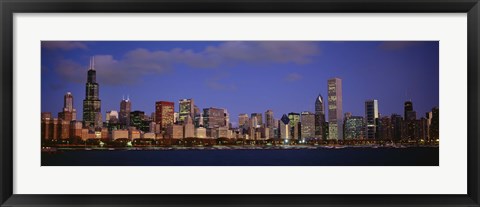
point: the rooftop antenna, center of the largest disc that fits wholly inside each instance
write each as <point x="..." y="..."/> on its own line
<point x="128" y="97"/>
<point x="90" y="67"/>
<point x="93" y="63"/>
<point x="123" y="97"/>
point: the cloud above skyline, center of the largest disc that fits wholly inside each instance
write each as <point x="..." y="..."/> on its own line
<point x="139" y="62"/>
<point x="63" y="45"/>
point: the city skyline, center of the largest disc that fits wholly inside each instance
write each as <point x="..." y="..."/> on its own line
<point x="301" y="64"/>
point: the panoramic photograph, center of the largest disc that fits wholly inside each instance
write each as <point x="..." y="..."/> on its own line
<point x="239" y="103"/>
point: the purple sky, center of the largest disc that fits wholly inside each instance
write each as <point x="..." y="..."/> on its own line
<point x="244" y="77"/>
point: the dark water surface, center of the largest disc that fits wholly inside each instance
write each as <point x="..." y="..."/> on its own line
<point x="422" y="156"/>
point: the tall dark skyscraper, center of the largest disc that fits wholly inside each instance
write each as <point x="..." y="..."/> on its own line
<point x="371" y="115"/>
<point x="335" y="109"/>
<point x="125" y="109"/>
<point x="408" y="109"/>
<point x="320" y="118"/>
<point x="92" y="116"/>
<point x="410" y="117"/>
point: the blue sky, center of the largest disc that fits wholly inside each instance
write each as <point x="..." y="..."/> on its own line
<point x="244" y="77"/>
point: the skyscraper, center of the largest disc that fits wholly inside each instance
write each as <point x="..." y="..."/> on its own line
<point x="307" y="127"/>
<point x="92" y="116"/>
<point x="259" y="120"/>
<point x="124" y="115"/>
<point x="164" y="111"/>
<point x="353" y="127"/>
<point x="320" y="117"/>
<point x="410" y="117"/>
<point x="243" y="121"/>
<point x="335" y="112"/>
<point x="269" y="119"/>
<point x="68" y="112"/>
<point x="185" y="108"/>
<point x="371" y="115"/>
<point x="284" y="127"/>
<point x="214" y="117"/>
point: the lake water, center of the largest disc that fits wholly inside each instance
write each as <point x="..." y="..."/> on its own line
<point x="419" y="156"/>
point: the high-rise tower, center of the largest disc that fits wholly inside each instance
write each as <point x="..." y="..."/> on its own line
<point x="92" y="116"/>
<point x="371" y="115"/>
<point x="320" y="117"/>
<point x="335" y="112"/>
<point x="125" y="109"/>
<point x="68" y="113"/>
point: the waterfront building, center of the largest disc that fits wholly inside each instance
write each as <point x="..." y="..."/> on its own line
<point x="269" y="120"/>
<point x="148" y="135"/>
<point x="384" y="128"/>
<point x="434" y="126"/>
<point x="174" y="131"/>
<point x="92" y="116"/>
<point x="124" y="115"/>
<point x="259" y="119"/>
<point x="397" y="127"/>
<point x="354" y="127"/>
<point x="188" y="127"/>
<point x="294" y="118"/>
<point x="307" y="121"/>
<point x="243" y="121"/>
<point x="111" y="116"/>
<point x="139" y="120"/>
<point x="371" y="115"/>
<point x="200" y="132"/>
<point x="410" y="121"/>
<point x="284" y="127"/>
<point x="68" y="113"/>
<point x="164" y="114"/>
<point x="186" y="108"/>
<point x="120" y="134"/>
<point x="213" y="118"/>
<point x="335" y="109"/>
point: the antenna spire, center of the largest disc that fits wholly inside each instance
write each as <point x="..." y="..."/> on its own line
<point x="93" y="62"/>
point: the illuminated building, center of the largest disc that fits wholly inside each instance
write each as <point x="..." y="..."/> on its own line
<point x="307" y="127"/>
<point x="200" y="132"/>
<point x="410" y="121"/>
<point x="92" y="116"/>
<point x="335" y="110"/>
<point x="111" y="116"/>
<point x="259" y="119"/>
<point x="68" y="113"/>
<point x="397" y="127"/>
<point x="371" y="115"/>
<point x="243" y="121"/>
<point x="213" y="118"/>
<point x="284" y="127"/>
<point x="175" y="131"/>
<point x="188" y="127"/>
<point x="353" y="127"/>
<point x="139" y="120"/>
<point x="125" y="109"/>
<point x="164" y="114"/>
<point x="434" y="126"/>
<point x="384" y="128"/>
<point x="185" y="108"/>
<point x="320" y="127"/>
<point x="269" y="119"/>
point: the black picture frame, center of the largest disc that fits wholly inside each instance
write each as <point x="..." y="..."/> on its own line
<point x="10" y="7"/>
